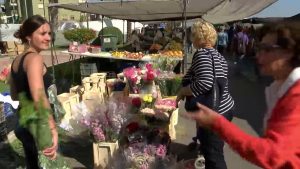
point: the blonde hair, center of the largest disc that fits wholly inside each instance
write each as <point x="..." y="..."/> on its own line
<point x="204" y="32"/>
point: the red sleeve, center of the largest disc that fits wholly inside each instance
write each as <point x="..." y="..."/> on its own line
<point x="279" y="148"/>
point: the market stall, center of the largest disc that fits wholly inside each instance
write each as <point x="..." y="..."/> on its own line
<point x="131" y="118"/>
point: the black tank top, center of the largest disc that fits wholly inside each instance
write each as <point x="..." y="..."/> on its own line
<point x="21" y="80"/>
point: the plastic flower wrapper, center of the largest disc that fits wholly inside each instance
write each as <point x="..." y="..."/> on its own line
<point x="133" y="77"/>
<point x="106" y="121"/>
<point x="73" y="126"/>
<point x="169" y="83"/>
<point x="36" y="120"/>
<point x="165" y="63"/>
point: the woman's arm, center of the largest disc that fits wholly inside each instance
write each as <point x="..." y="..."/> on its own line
<point x="203" y="74"/>
<point x="279" y="148"/>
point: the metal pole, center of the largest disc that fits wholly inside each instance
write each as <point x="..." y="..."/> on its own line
<point x="26" y="12"/>
<point x="51" y="46"/>
<point x="184" y="65"/>
<point x="123" y="31"/>
<point x="87" y="15"/>
<point x="44" y="8"/>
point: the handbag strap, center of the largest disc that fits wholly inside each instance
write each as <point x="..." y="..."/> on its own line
<point x="215" y="100"/>
<point x="213" y="65"/>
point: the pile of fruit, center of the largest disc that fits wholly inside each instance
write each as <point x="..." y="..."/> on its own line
<point x="155" y="46"/>
<point x="172" y="53"/>
<point x="126" y="54"/>
<point x="118" y="54"/>
<point x="137" y="55"/>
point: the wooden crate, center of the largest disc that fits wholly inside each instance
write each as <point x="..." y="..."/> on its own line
<point x="173" y="123"/>
<point x="103" y="154"/>
<point x="68" y="100"/>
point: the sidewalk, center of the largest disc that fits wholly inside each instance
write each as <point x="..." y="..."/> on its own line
<point x="61" y="58"/>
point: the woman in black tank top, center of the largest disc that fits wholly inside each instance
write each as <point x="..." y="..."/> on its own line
<point x="28" y="75"/>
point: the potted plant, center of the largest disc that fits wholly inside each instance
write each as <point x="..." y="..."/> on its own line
<point x="81" y="36"/>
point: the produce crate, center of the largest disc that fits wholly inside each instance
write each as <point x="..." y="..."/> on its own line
<point x="3" y="127"/>
<point x="103" y="154"/>
<point x="68" y="100"/>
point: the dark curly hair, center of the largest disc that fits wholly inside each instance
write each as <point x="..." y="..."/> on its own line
<point x="288" y="37"/>
<point x="29" y="26"/>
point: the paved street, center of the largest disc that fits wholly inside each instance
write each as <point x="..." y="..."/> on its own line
<point x="249" y="99"/>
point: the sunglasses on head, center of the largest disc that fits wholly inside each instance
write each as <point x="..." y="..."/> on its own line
<point x="266" y="47"/>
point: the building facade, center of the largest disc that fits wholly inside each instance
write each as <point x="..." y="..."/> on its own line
<point x="18" y="10"/>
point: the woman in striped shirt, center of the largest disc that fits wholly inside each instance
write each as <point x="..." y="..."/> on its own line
<point x="208" y="64"/>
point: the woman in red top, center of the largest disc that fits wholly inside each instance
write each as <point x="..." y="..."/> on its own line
<point x="278" y="55"/>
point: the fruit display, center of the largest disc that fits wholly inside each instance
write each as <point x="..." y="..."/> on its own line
<point x="172" y="53"/>
<point x="155" y="46"/>
<point x="154" y="55"/>
<point x="129" y="55"/>
<point x="118" y="54"/>
<point x="137" y="55"/>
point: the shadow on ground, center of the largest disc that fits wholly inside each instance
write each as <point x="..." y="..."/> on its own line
<point x="78" y="152"/>
<point x="9" y="157"/>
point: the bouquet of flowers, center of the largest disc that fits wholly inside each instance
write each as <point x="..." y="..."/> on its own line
<point x="4" y="74"/>
<point x="164" y="108"/>
<point x="140" y="79"/>
<point x="106" y="122"/>
<point x="169" y="83"/>
<point x="142" y="156"/>
<point x="165" y="64"/>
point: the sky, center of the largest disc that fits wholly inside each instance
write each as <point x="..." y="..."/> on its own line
<point x="281" y="8"/>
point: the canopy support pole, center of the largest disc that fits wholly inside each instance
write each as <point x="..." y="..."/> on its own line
<point x="184" y="64"/>
<point x="102" y="31"/>
<point x="123" y="31"/>
<point x="52" y="45"/>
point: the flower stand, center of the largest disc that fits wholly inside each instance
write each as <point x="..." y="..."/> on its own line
<point x="103" y="153"/>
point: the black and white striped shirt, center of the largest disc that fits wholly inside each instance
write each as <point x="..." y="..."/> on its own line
<point x="200" y="76"/>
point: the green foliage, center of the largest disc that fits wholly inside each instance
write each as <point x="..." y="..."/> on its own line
<point x="36" y="120"/>
<point x="112" y="31"/>
<point x="4" y="87"/>
<point x="82" y="35"/>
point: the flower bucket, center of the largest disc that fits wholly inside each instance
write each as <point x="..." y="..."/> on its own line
<point x="82" y="48"/>
<point x="103" y="153"/>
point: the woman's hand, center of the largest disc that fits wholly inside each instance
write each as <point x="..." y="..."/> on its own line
<point x="179" y="97"/>
<point x="51" y="151"/>
<point x="205" y="116"/>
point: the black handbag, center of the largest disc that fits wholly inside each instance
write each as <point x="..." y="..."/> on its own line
<point x="210" y="99"/>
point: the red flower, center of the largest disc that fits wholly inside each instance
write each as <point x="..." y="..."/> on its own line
<point x="132" y="127"/>
<point x="136" y="102"/>
<point x="150" y="76"/>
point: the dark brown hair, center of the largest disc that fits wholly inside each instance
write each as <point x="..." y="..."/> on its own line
<point x="288" y="37"/>
<point x="29" y="26"/>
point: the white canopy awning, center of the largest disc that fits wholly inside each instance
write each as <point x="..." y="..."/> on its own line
<point x="215" y="11"/>
<point x="144" y="10"/>
<point x="236" y="10"/>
